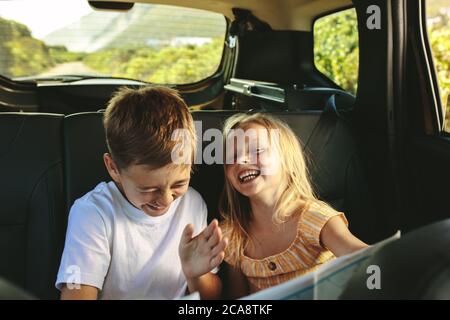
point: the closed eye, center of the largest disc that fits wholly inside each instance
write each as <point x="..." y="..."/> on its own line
<point x="148" y="191"/>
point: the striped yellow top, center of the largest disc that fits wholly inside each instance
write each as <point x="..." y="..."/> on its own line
<point x="303" y="255"/>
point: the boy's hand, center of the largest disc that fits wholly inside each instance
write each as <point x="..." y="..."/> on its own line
<point x="201" y="254"/>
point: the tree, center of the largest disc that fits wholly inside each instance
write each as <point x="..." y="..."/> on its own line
<point x="439" y="34"/>
<point x="22" y="55"/>
<point x="171" y="65"/>
<point x="336" y="50"/>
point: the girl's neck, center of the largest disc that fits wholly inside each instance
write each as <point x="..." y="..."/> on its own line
<point x="263" y="207"/>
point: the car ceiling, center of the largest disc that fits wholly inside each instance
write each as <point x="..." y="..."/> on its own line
<point x="280" y="14"/>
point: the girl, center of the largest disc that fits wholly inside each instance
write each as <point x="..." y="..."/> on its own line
<point x="277" y="228"/>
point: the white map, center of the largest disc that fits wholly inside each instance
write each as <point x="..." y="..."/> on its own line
<point x="325" y="283"/>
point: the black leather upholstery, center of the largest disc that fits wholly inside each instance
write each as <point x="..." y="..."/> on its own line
<point x="84" y="146"/>
<point x="209" y="179"/>
<point x="34" y="147"/>
<point x="417" y="266"/>
<point x="32" y="212"/>
<point x="315" y="98"/>
<point x="334" y="162"/>
<point x="338" y="176"/>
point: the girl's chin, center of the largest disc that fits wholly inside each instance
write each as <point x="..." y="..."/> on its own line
<point x="249" y="194"/>
<point x="249" y="190"/>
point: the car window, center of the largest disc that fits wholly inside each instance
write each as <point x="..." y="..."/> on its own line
<point x="438" y="24"/>
<point x="336" y="48"/>
<point x="153" y="43"/>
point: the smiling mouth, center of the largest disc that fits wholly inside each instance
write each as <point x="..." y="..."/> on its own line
<point x="155" y="207"/>
<point x="248" y="175"/>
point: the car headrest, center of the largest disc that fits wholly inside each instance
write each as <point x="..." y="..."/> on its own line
<point x="84" y="145"/>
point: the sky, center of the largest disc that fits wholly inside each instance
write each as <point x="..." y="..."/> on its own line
<point x="44" y="16"/>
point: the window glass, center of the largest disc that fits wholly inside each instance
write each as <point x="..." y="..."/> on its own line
<point x="336" y="48"/>
<point x="438" y="24"/>
<point x="154" y="43"/>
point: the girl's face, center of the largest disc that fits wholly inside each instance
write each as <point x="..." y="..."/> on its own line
<point x="252" y="162"/>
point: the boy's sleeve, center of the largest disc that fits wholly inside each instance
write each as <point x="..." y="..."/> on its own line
<point x="86" y="255"/>
<point x="312" y="222"/>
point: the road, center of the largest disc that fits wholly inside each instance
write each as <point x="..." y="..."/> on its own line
<point x="70" y="68"/>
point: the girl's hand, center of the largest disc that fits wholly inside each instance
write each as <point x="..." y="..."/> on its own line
<point x="201" y="254"/>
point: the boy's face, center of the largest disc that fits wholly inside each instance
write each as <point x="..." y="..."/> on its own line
<point x="148" y="189"/>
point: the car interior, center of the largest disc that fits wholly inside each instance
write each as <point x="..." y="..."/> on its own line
<point x="378" y="152"/>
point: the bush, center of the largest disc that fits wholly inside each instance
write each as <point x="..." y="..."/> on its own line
<point x="336" y="54"/>
<point x="439" y="33"/>
<point x="178" y="65"/>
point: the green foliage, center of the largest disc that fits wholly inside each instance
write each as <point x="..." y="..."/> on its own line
<point x="336" y="48"/>
<point x="21" y="54"/>
<point x="60" y="54"/>
<point x="12" y="30"/>
<point x="439" y="35"/>
<point x="336" y="51"/>
<point x="29" y="57"/>
<point x="433" y="7"/>
<point x="180" y="65"/>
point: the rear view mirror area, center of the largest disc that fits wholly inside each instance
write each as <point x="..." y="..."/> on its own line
<point x="110" y="5"/>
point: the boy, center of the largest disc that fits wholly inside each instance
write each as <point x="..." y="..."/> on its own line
<point x="132" y="238"/>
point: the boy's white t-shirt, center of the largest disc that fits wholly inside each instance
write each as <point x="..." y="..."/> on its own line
<point x="127" y="254"/>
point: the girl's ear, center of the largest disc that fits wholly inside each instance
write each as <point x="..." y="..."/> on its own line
<point x="112" y="168"/>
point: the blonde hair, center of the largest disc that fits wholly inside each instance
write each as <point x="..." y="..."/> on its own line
<point x="297" y="197"/>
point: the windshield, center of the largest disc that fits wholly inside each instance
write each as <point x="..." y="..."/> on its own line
<point x="153" y="43"/>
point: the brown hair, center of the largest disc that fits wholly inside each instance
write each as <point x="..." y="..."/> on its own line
<point x="140" y="123"/>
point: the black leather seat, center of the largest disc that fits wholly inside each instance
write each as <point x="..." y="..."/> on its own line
<point x="34" y="211"/>
<point x="84" y="146"/>
<point x="334" y="163"/>
<point x="32" y="216"/>
<point x="335" y="167"/>
<point x="315" y="98"/>
<point x="209" y="179"/>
